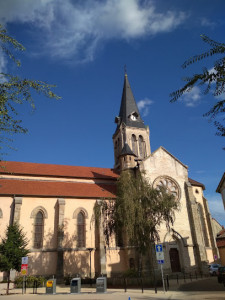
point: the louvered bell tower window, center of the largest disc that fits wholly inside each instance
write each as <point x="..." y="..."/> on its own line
<point x="81" y="230"/>
<point x="38" y="230"/>
<point x="141" y="146"/>
<point x="134" y="143"/>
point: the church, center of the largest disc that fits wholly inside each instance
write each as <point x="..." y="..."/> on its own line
<point x="54" y="204"/>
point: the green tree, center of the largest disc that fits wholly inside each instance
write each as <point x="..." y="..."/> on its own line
<point x="211" y="80"/>
<point x="12" y="248"/>
<point x="138" y="210"/>
<point x="14" y="91"/>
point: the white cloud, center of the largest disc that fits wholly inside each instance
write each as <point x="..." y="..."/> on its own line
<point x="200" y="172"/>
<point x="3" y="67"/>
<point x="207" y="23"/>
<point x="2" y="63"/>
<point x="74" y="29"/>
<point x="193" y="97"/>
<point x="143" y="106"/>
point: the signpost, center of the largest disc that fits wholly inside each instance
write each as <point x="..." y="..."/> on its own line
<point x="24" y="270"/>
<point x="160" y="259"/>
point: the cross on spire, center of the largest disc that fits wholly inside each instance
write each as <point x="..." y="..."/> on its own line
<point x="125" y="70"/>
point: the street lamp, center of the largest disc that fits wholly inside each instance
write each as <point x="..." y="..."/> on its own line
<point x="90" y="250"/>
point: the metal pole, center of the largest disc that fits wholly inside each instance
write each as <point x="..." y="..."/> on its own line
<point x="162" y="278"/>
<point x="167" y="281"/>
<point x="23" y="285"/>
<point x="90" y="250"/>
<point x="90" y="268"/>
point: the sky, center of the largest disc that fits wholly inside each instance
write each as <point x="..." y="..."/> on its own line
<point x="81" y="46"/>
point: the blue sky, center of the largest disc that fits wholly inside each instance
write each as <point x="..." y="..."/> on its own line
<point x="82" y="47"/>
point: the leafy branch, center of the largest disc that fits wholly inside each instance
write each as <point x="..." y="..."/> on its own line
<point x="15" y="90"/>
<point x="212" y="80"/>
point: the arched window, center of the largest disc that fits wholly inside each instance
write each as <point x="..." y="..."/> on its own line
<point x="134" y="143"/>
<point x="81" y="238"/>
<point x="38" y="230"/>
<point x="141" y="143"/>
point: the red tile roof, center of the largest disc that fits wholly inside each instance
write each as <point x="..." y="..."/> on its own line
<point x="220" y="238"/>
<point x="13" y="187"/>
<point x="35" y="169"/>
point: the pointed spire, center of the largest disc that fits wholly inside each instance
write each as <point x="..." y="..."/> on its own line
<point x="129" y="113"/>
<point x="127" y="151"/>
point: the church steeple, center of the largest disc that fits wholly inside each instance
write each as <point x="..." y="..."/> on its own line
<point x="131" y="133"/>
<point x="129" y="113"/>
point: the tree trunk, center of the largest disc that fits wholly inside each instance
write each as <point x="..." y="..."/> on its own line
<point x="8" y="282"/>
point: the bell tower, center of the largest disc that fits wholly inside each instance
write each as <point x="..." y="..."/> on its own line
<point x="131" y="138"/>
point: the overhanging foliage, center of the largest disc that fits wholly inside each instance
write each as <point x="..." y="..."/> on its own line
<point x="211" y="80"/>
<point x="15" y="91"/>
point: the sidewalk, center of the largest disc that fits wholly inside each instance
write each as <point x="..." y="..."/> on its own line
<point x="197" y="289"/>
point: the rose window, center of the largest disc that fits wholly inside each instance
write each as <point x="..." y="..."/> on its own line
<point x="169" y="184"/>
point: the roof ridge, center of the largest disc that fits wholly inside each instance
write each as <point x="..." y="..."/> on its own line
<point x="37" y="169"/>
<point x="164" y="149"/>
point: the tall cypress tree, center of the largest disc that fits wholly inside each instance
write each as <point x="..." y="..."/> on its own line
<point x="12" y="248"/>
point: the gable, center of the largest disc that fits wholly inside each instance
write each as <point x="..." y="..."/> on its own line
<point x="162" y="149"/>
<point x="161" y="162"/>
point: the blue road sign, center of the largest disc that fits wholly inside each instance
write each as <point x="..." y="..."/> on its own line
<point x="160" y="261"/>
<point x="158" y="248"/>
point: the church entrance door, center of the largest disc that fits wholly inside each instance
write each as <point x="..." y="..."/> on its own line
<point x="174" y="260"/>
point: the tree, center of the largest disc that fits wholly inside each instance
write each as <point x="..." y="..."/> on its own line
<point x="15" y="90"/>
<point x="138" y="210"/>
<point x="12" y="248"/>
<point x="212" y="80"/>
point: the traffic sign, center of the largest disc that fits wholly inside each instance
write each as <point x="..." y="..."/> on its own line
<point x="24" y="265"/>
<point x="24" y="260"/>
<point x="159" y="255"/>
<point x="159" y="248"/>
<point x="24" y="269"/>
<point x="160" y="261"/>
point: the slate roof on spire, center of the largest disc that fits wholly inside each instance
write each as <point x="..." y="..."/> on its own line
<point x="128" y="108"/>
<point x="127" y="151"/>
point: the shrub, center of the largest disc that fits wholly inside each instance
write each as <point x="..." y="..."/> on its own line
<point x="29" y="281"/>
<point x="131" y="273"/>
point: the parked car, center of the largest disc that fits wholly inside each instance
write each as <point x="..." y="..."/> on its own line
<point x="213" y="268"/>
<point x="221" y="275"/>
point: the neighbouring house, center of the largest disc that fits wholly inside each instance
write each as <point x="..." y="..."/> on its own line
<point x="220" y="241"/>
<point x="221" y="188"/>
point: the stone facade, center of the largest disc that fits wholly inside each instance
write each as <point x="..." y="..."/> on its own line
<point x="190" y="244"/>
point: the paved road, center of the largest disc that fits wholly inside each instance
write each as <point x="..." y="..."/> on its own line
<point x="209" y="284"/>
<point x="200" y="289"/>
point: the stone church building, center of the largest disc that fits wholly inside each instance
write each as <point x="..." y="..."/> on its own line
<point x="54" y="206"/>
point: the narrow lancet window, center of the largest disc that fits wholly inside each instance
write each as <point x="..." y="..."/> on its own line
<point x="141" y="146"/>
<point x="134" y="144"/>
<point x="38" y="230"/>
<point x="81" y="239"/>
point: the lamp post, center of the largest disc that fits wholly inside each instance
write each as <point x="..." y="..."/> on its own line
<point x="90" y="250"/>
